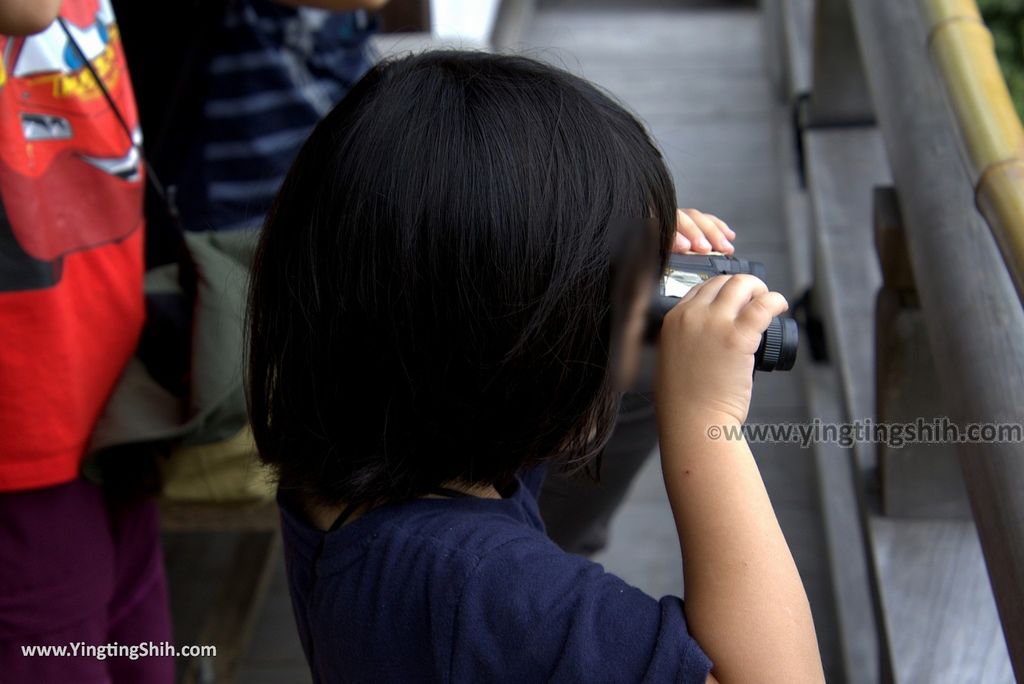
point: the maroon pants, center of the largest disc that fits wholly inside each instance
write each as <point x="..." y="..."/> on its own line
<point x="73" y="571"/>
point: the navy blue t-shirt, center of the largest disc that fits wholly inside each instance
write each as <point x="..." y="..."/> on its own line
<point x="470" y="589"/>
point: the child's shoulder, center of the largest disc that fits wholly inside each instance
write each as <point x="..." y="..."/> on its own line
<point x="431" y="538"/>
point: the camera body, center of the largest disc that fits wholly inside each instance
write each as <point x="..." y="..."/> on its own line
<point x="779" y="342"/>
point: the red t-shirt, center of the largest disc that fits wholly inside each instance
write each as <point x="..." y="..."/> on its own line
<point x="71" y="230"/>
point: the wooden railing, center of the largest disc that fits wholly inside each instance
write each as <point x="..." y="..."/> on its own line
<point x="924" y="75"/>
<point x="972" y="311"/>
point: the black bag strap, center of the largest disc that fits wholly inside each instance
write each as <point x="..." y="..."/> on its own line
<point x="151" y="176"/>
<point x="165" y="344"/>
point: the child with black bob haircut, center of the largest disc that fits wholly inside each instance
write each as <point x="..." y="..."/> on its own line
<point x="449" y="293"/>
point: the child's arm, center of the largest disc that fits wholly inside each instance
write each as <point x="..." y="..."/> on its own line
<point x="25" y="17"/>
<point x="745" y="603"/>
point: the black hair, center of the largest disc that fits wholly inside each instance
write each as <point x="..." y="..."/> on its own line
<point x="440" y="284"/>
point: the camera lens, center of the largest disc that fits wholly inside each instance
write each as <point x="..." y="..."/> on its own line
<point x="779" y="342"/>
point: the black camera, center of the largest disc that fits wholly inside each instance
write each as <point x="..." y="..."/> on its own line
<point x="777" y="350"/>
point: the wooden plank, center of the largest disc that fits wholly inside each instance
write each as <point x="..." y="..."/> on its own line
<point x="923" y="479"/>
<point x="788" y="32"/>
<point x="195" y="564"/>
<point x="774" y="42"/>
<point x="665" y="90"/>
<point x="856" y="649"/>
<point x="938" y="602"/>
<point x="718" y="150"/>
<point x="511" y="19"/>
<point x="917" y="479"/>
<point x="684" y="40"/>
<point x="856" y="611"/>
<point x="726" y="167"/>
<point x="230" y="621"/>
<point x="916" y="564"/>
<point x="797" y="24"/>
<point x="793" y="31"/>
<point x="839" y="92"/>
<point x="275" y="654"/>
<point x="796" y="207"/>
<point x="842" y="168"/>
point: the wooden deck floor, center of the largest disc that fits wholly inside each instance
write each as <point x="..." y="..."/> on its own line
<point x="696" y="74"/>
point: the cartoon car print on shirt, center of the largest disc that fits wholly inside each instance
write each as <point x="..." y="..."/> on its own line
<point x="71" y="179"/>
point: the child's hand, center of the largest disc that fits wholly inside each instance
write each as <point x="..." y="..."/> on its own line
<point x="706" y="350"/>
<point x="701" y="233"/>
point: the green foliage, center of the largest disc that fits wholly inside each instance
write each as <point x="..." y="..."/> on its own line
<point x="1005" y="18"/>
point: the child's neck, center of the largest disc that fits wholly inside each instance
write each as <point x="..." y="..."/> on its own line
<point x="323" y="516"/>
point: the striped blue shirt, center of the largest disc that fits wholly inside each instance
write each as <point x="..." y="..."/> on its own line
<point x="274" y="72"/>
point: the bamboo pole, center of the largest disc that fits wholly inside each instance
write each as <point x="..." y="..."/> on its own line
<point x="963" y="51"/>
